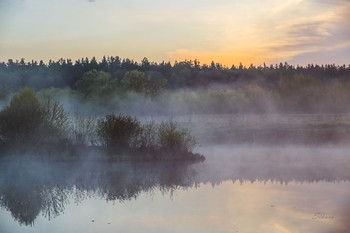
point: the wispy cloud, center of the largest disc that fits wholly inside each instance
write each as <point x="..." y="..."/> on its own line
<point x="323" y="30"/>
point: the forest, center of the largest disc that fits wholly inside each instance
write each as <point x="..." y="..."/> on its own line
<point x="185" y="87"/>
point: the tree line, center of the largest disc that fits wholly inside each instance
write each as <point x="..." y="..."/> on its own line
<point x="184" y="74"/>
<point x="187" y="87"/>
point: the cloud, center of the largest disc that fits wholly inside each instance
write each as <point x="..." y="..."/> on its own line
<point x="313" y="29"/>
<point x="322" y="27"/>
<point x="303" y="36"/>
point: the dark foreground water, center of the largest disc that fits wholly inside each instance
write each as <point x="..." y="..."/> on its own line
<point x="237" y="189"/>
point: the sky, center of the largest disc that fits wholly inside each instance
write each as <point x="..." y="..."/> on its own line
<point x="224" y="31"/>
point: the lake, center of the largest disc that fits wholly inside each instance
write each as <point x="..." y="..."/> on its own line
<point x="238" y="188"/>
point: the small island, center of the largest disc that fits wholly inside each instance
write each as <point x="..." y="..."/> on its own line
<point x="30" y="126"/>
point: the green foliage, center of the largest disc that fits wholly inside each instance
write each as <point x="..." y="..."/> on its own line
<point x="20" y="121"/>
<point x="96" y="83"/>
<point x="292" y="88"/>
<point x="157" y="86"/>
<point x="211" y="88"/>
<point x="171" y="139"/>
<point x="147" y="137"/>
<point x="27" y="121"/>
<point x="118" y="132"/>
<point x="138" y="82"/>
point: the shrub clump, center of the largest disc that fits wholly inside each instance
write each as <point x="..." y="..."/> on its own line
<point x="173" y="140"/>
<point x="146" y="141"/>
<point x="118" y="132"/>
<point x="27" y="121"/>
<point x="20" y="121"/>
<point x="127" y="134"/>
<point x="29" y="125"/>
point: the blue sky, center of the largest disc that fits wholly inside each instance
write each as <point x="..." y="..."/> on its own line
<point x="229" y="32"/>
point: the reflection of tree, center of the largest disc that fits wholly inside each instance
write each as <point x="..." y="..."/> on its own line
<point x="27" y="193"/>
<point x="23" y="202"/>
<point x="25" y="196"/>
<point x="276" y="168"/>
<point x="116" y="187"/>
<point x="53" y="201"/>
<point x="45" y="188"/>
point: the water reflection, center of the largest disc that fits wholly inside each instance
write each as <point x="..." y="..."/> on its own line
<point x="30" y="188"/>
<point x="276" y="164"/>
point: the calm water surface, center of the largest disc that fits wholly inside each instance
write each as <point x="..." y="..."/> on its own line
<point x="237" y="189"/>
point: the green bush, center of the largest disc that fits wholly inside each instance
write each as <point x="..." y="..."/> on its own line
<point x="146" y="141"/>
<point x="27" y="121"/>
<point x="124" y="133"/>
<point x="20" y="121"/>
<point x="173" y="140"/>
<point x="118" y="132"/>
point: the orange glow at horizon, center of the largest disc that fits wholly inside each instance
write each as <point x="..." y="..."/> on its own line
<point x="226" y="59"/>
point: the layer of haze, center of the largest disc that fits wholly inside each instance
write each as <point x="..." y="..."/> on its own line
<point x="229" y="32"/>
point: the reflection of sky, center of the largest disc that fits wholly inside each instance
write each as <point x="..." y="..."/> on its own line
<point x="229" y="207"/>
<point x="229" y="32"/>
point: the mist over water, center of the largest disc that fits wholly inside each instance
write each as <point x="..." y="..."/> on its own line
<point x="296" y="187"/>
